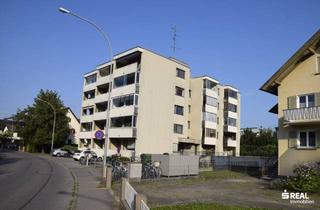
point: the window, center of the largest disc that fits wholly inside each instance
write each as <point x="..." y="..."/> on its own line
<point x="91" y="79"/>
<point x="101" y="107"/>
<point x="306" y="101"/>
<point x="207" y="84"/>
<point x="123" y="101"/>
<point x="179" y="91"/>
<point x="211" y="133"/>
<point x="124" y="80"/>
<point x="177" y="128"/>
<point x="189" y="109"/>
<point x="86" y="127"/>
<point x="232" y="107"/>
<point x="231" y="121"/>
<point x="307" y="139"/>
<point x="189" y="93"/>
<point x="118" y="122"/>
<point x="89" y="94"/>
<point x="230" y="93"/>
<point x="208" y="116"/>
<point x="105" y="71"/>
<point x="178" y="109"/>
<point x="210" y="101"/>
<point x="180" y="73"/>
<point x="189" y="125"/>
<point x="87" y="111"/>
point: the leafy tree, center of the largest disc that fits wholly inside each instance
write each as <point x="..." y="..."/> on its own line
<point x="263" y="144"/>
<point x="38" y="122"/>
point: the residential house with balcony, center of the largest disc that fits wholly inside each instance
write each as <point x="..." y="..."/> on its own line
<point x="297" y="86"/>
<point x="153" y="105"/>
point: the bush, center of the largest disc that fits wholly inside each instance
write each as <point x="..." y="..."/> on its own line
<point x="306" y="179"/>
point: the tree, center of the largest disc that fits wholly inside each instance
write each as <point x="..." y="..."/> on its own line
<point x="264" y="143"/>
<point x="38" y="122"/>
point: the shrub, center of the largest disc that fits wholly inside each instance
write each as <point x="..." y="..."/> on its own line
<point x="306" y="179"/>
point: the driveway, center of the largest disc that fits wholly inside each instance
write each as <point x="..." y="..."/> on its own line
<point x="33" y="181"/>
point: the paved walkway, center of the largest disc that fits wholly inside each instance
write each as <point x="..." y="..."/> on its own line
<point x="88" y="194"/>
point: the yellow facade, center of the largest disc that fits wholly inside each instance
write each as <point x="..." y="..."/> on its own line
<point x="297" y="85"/>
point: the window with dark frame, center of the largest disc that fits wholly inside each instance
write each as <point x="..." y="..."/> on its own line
<point x="180" y="73"/>
<point x="179" y="91"/>
<point x="211" y="133"/>
<point x="178" y="109"/>
<point x="307" y="139"/>
<point x="177" y="128"/>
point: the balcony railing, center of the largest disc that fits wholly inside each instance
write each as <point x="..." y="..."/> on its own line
<point x="302" y="114"/>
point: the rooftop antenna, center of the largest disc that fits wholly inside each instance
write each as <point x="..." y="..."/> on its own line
<point x="174" y="39"/>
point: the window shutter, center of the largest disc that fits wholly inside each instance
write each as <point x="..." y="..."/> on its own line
<point x="318" y="65"/>
<point x="292" y="102"/>
<point x="293" y="139"/>
<point x="318" y="139"/>
<point x="317" y="99"/>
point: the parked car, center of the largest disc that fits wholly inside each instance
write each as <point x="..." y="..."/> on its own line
<point x="60" y="152"/>
<point x="78" y="155"/>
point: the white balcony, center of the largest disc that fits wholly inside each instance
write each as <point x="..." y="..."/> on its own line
<point x="101" y="98"/>
<point x="123" y="111"/>
<point x="209" y="124"/>
<point x="125" y="70"/>
<point x="124" y="90"/>
<point x="88" y="87"/>
<point x="86" y="118"/>
<point x="86" y="135"/>
<point x="302" y="115"/>
<point x="88" y="102"/>
<point x="209" y="141"/>
<point x="233" y="115"/>
<point x="232" y="100"/>
<point x="100" y="115"/>
<point x="211" y="93"/>
<point x="103" y="80"/>
<point x="124" y="132"/>
<point x="232" y="129"/>
<point x="211" y="109"/>
<point x="231" y="143"/>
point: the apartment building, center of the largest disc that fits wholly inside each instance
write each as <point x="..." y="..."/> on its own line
<point x="297" y="86"/>
<point x="157" y="107"/>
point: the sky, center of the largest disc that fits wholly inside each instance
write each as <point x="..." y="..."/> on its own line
<point x="241" y="43"/>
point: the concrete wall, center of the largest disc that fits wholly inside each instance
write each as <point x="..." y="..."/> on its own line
<point x="156" y="104"/>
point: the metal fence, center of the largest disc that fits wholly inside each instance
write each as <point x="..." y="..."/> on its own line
<point x="250" y="164"/>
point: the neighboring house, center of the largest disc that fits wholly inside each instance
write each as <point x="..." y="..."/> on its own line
<point x="9" y="126"/>
<point x="297" y="85"/>
<point x="157" y="107"/>
<point x="74" y="125"/>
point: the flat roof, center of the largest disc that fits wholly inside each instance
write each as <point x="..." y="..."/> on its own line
<point x="132" y="50"/>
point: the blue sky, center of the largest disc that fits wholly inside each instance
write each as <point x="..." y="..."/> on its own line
<point x="241" y="43"/>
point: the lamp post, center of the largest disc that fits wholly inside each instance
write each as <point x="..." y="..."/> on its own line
<point x="108" y="43"/>
<point x="54" y="121"/>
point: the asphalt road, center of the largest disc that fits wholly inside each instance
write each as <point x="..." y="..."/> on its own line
<point x="33" y="182"/>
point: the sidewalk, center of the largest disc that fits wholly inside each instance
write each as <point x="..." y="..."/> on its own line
<point x="88" y="195"/>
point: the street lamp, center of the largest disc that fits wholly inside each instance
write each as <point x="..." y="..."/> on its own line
<point x="108" y="43"/>
<point x="54" y="121"/>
